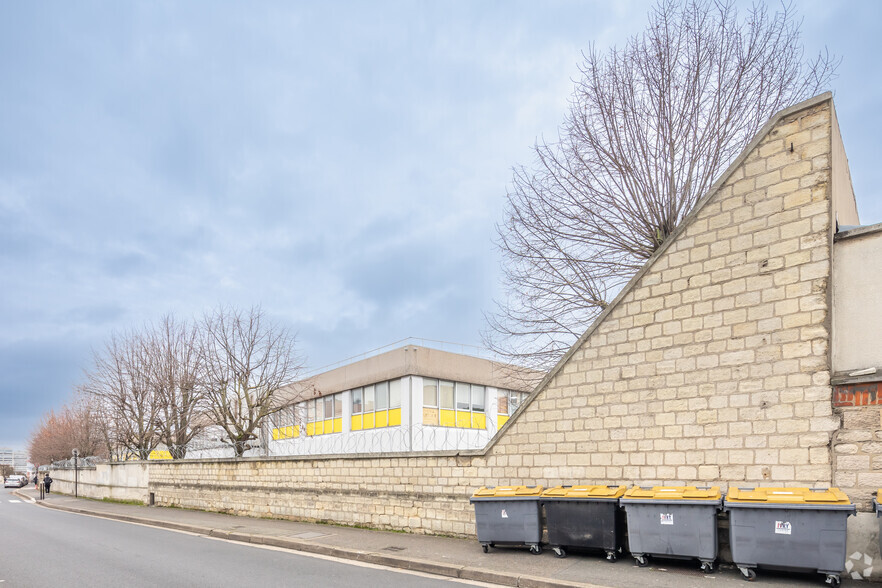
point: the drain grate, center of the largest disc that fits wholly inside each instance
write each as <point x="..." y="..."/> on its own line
<point x="392" y="548"/>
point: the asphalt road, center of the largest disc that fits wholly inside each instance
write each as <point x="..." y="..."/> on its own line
<point x="42" y="547"/>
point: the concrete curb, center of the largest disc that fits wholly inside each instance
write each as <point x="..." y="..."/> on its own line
<point x="382" y="559"/>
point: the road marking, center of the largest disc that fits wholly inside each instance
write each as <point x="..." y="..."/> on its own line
<point x="15" y="501"/>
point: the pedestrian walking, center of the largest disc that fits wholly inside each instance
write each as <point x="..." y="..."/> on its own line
<point x="47" y="482"/>
<point x="36" y="481"/>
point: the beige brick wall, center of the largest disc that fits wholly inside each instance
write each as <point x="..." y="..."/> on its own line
<point x="711" y="369"/>
<point x="420" y="494"/>
<point x="857" y="454"/>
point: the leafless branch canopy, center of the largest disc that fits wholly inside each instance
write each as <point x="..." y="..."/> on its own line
<point x="121" y="387"/>
<point x="165" y="384"/>
<point x="246" y="360"/>
<point x="75" y="426"/>
<point x="175" y="367"/>
<point x="649" y="129"/>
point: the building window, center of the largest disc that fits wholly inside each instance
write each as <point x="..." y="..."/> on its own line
<point x="357" y="406"/>
<point x="430" y="402"/>
<point x="376" y="406"/>
<point x="453" y="404"/>
<point x="324" y="415"/>
<point x="285" y="423"/>
<point x="507" y="403"/>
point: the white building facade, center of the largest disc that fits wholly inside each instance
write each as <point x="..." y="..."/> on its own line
<point x="412" y="398"/>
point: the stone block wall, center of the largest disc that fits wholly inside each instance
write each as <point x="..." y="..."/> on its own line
<point x="426" y="494"/>
<point x="713" y="366"/>
<point x="857" y="447"/>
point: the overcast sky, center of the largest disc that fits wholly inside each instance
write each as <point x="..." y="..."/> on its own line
<point x="341" y="164"/>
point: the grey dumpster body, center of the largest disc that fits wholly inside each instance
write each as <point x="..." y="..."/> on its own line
<point x="508" y="515"/>
<point x="585" y="517"/>
<point x="676" y="522"/>
<point x="789" y="528"/>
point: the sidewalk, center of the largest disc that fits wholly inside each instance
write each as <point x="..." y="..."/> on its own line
<point x="445" y="556"/>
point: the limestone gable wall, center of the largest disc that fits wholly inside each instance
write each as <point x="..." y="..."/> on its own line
<point x="713" y="367"/>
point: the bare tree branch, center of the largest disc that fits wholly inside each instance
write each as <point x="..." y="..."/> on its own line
<point x="246" y="360"/>
<point x="121" y="388"/>
<point x="650" y="127"/>
<point x="175" y="364"/>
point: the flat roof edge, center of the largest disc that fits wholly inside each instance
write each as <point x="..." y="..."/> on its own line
<point x="861" y="231"/>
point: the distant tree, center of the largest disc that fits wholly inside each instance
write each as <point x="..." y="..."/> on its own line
<point x="175" y="365"/>
<point x="6" y="471"/>
<point x="246" y="360"/>
<point x="649" y="128"/>
<point x="58" y="434"/>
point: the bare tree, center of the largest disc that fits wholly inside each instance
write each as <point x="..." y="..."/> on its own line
<point x="87" y="427"/>
<point x="247" y="359"/>
<point x="172" y="349"/>
<point x="122" y="391"/>
<point x="57" y="435"/>
<point x="649" y="128"/>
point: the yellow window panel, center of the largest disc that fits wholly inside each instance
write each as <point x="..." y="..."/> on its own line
<point x="338" y="425"/>
<point x="479" y="420"/>
<point x="289" y="432"/>
<point x="329" y="426"/>
<point x="320" y="427"/>
<point x="501" y="420"/>
<point x="394" y="417"/>
<point x="159" y="454"/>
<point x="448" y="418"/>
<point x="310" y="429"/>
<point x="430" y="416"/>
<point x="369" y="420"/>
<point x="356" y="423"/>
<point x="464" y="420"/>
<point x="382" y="418"/>
<point x="275" y="434"/>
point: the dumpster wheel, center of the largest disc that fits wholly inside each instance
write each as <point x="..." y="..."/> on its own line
<point x="535" y="549"/>
<point x="748" y="574"/>
<point x="833" y="580"/>
<point x="559" y="552"/>
<point x="611" y="556"/>
<point x="707" y="567"/>
<point x="485" y="547"/>
<point x="642" y="560"/>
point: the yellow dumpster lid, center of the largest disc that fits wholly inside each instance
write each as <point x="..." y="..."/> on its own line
<point x="508" y="492"/>
<point x="584" y="492"/>
<point x="674" y="493"/>
<point x="788" y="495"/>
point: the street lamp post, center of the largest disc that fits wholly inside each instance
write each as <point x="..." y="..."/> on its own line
<point x="76" y="454"/>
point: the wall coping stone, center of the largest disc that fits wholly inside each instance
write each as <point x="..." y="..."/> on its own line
<point x="857" y="232"/>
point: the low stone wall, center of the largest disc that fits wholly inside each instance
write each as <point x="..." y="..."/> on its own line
<point x="428" y="494"/>
<point x="116" y="481"/>
<point x="424" y="494"/>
